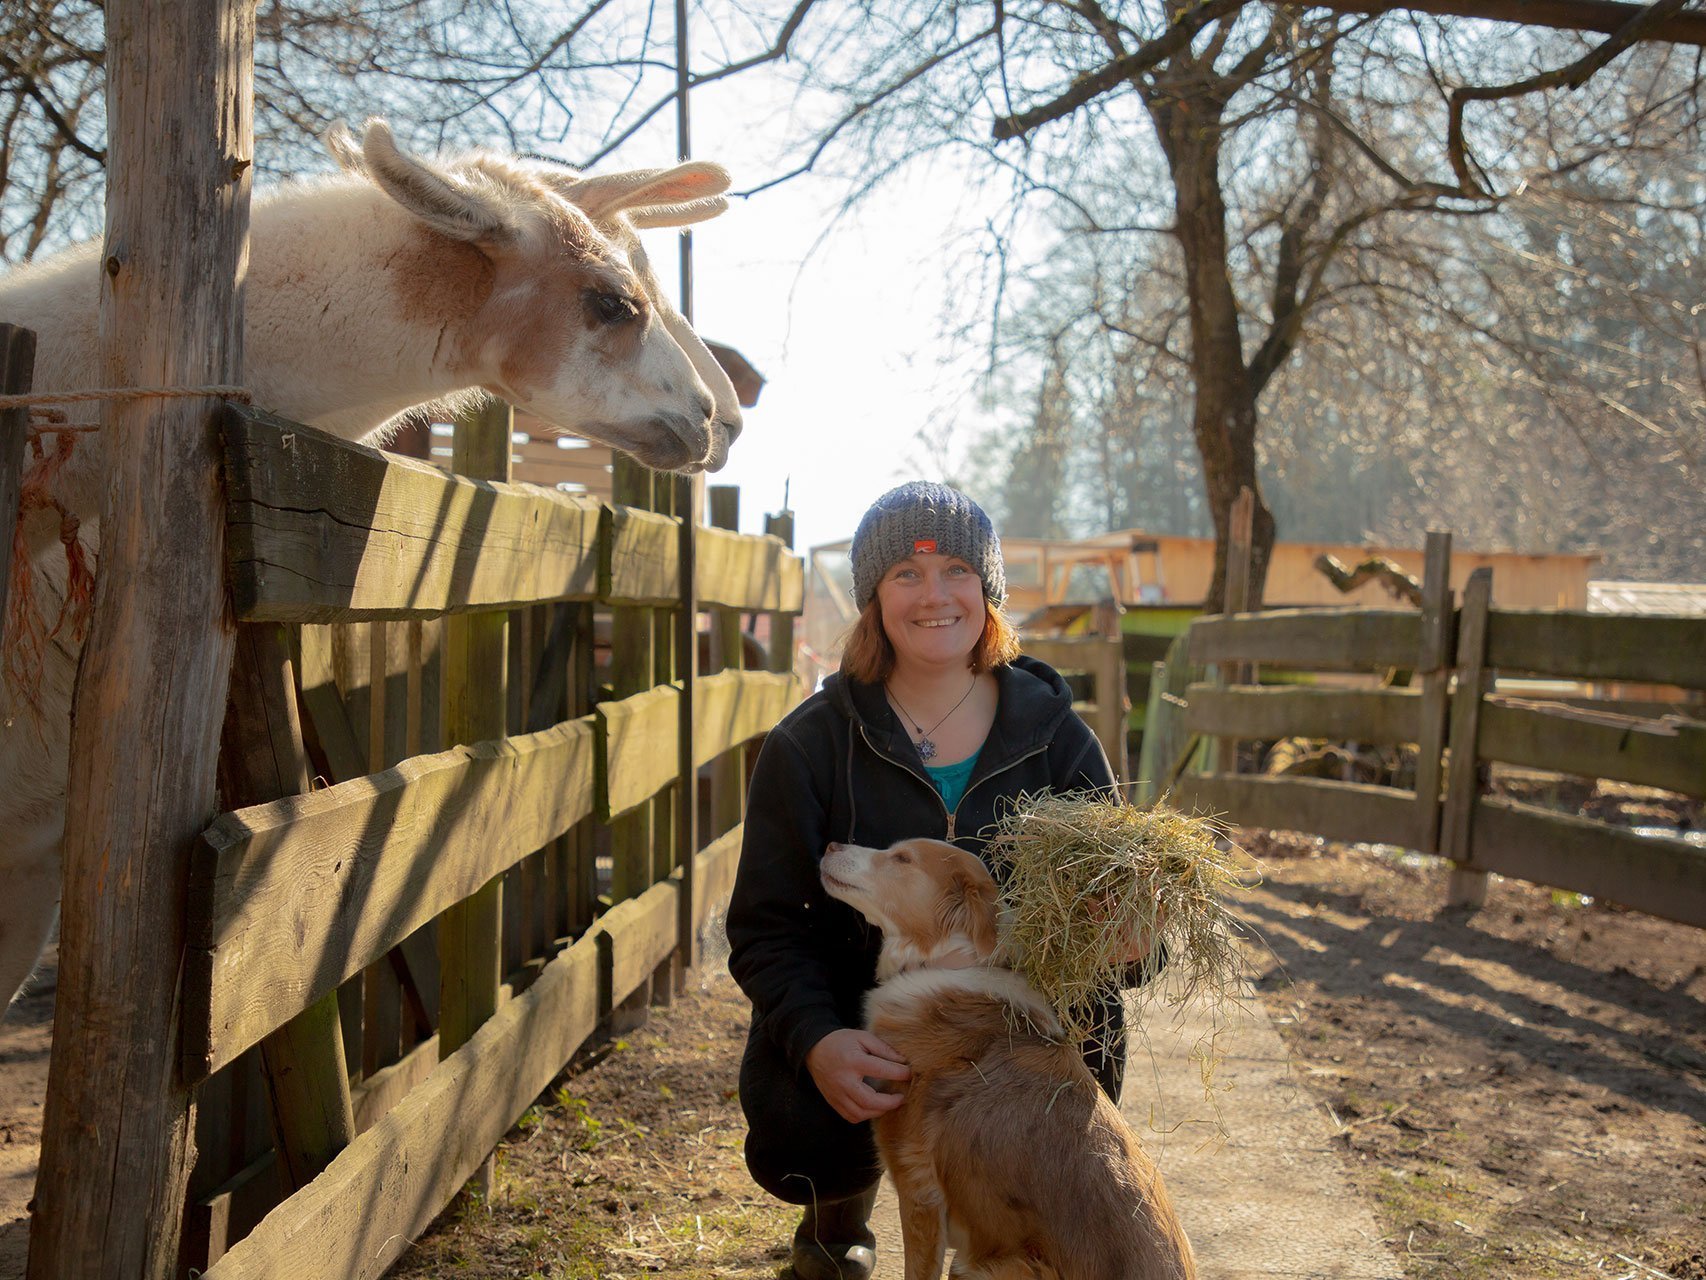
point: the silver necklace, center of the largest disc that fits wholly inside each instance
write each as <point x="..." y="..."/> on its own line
<point x="927" y="748"/>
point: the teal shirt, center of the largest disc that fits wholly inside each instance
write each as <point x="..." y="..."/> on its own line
<point x="951" y="779"/>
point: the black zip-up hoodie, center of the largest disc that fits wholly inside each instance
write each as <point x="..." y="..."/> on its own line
<point x="840" y="767"/>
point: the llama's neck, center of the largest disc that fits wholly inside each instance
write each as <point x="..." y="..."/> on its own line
<point x="329" y="336"/>
<point x="332" y="340"/>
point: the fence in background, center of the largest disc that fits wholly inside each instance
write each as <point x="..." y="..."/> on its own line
<point x="1430" y="681"/>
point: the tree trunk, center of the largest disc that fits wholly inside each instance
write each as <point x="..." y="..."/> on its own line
<point x="1186" y="109"/>
<point x="116" y="1144"/>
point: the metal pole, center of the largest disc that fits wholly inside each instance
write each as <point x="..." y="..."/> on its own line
<point x="688" y="501"/>
<point x="684" y="149"/>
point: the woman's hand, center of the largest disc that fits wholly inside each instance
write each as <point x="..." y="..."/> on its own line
<point x="1140" y="941"/>
<point x="840" y="1063"/>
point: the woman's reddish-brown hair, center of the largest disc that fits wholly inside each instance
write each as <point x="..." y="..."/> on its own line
<point x="868" y="656"/>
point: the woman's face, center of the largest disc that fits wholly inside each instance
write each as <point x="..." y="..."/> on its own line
<point x="932" y="609"/>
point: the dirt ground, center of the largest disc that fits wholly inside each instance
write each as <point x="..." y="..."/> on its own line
<point x="25" y="1036"/>
<point x="1520" y="1092"/>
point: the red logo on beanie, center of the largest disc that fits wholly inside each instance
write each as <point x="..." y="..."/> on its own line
<point x="924" y="547"/>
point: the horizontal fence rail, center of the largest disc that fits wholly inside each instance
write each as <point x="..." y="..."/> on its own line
<point x="1319" y="639"/>
<point x="306" y="891"/>
<point x="321" y="530"/>
<point x="1598" y="646"/>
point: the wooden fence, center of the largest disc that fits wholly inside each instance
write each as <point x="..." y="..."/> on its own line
<point x="1459" y="722"/>
<point x="475" y="845"/>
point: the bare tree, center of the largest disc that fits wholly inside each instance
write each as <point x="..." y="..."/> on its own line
<point x="1286" y="141"/>
<point x="1271" y="162"/>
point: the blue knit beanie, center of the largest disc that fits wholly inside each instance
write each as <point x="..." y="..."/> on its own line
<point x="924" y="518"/>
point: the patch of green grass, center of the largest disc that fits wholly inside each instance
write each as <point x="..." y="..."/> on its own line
<point x="1442" y="1225"/>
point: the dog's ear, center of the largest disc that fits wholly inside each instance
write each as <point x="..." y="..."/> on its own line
<point x="967" y="907"/>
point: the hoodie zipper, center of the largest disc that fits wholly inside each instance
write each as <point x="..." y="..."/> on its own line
<point x="951" y="816"/>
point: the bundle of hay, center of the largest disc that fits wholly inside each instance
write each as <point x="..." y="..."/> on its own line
<point x="1083" y="876"/>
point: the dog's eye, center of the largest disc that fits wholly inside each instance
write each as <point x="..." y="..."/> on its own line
<point x="902" y="856"/>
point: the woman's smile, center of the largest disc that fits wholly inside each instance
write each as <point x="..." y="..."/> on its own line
<point x="927" y="602"/>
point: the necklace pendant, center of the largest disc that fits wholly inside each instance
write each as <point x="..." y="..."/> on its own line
<point x="926" y="749"/>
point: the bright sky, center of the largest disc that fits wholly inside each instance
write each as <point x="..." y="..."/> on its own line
<point x="849" y="341"/>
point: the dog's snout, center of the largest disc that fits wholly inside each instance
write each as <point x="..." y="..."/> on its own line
<point x="835" y="847"/>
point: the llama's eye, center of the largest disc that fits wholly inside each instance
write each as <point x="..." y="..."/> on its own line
<point x="611" y="308"/>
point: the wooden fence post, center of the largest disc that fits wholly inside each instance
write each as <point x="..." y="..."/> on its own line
<point x="1112" y="708"/>
<point x="689" y="505"/>
<point x="116" y="1145"/>
<point x="1433" y="662"/>
<point x="1222" y="753"/>
<point x="475" y="710"/>
<point x="727" y="789"/>
<point x="632" y="660"/>
<point x="17" y="367"/>
<point x="1468" y="886"/>
<point x="781" y="624"/>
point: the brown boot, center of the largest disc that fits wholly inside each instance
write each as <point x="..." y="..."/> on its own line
<point x="834" y="1240"/>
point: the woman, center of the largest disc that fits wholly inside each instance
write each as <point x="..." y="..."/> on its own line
<point x="933" y="726"/>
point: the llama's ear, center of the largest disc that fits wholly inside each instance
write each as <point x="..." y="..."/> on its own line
<point x="692" y="189"/>
<point x="678" y="215"/>
<point x="345" y="149"/>
<point x="437" y="198"/>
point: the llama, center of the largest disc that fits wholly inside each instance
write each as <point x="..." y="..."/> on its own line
<point x="398" y="283"/>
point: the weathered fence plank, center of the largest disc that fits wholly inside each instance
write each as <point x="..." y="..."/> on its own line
<point x="1337" y="810"/>
<point x="1655" y="874"/>
<point x="636" y="936"/>
<point x="1317" y="639"/>
<point x="736" y="706"/>
<point x="714" y="873"/>
<point x="1251" y="711"/>
<point x="641" y="561"/>
<point x="1597" y="646"/>
<point x="321" y="530"/>
<point x="359" y="1216"/>
<point x="476" y="675"/>
<point x="636" y="749"/>
<point x="1434" y="662"/>
<point x="262" y="761"/>
<point x="304" y="891"/>
<point x="728" y="776"/>
<point x="1655" y="753"/>
<point x="1467" y="886"/>
<point x="742" y="571"/>
<point x="781" y="527"/>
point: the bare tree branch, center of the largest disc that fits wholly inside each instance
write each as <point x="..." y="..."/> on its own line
<point x="1571" y="76"/>
<point x="1093" y="84"/>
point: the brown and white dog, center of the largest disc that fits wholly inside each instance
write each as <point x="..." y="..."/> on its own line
<point x="1005" y="1148"/>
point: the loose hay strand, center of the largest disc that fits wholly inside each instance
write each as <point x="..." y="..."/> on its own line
<point x="1083" y="876"/>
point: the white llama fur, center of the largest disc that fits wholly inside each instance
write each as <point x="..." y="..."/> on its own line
<point x="397" y="283"/>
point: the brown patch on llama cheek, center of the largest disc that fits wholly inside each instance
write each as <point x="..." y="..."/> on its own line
<point x="439" y="281"/>
<point x="528" y="331"/>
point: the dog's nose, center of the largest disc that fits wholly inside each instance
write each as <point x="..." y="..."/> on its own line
<point x="833" y="847"/>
